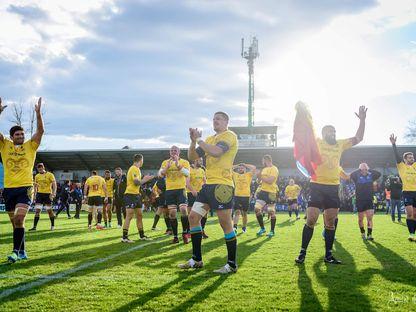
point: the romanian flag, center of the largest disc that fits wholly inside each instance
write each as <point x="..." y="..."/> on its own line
<point x="306" y="151"/>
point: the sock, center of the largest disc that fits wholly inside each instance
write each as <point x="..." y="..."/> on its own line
<point x="99" y="217"/>
<point x="89" y="218"/>
<point x="141" y="233"/>
<point x="272" y="224"/>
<point x="52" y="220"/>
<point x="329" y="242"/>
<point x="203" y="222"/>
<point x="235" y="226"/>
<point x="231" y="242"/>
<point x="174" y="224"/>
<point x="369" y="231"/>
<point x="105" y="223"/>
<point x="260" y="220"/>
<point x="35" y="222"/>
<point x="290" y="213"/>
<point x="155" y="221"/>
<point x="297" y="213"/>
<point x="125" y="233"/>
<point x="336" y="223"/>
<point x="167" y="222"/>
<point x="362" y="230"/>
<point x="184" y="222"/>
<point x="196" y="237"/>
<point x="306" y="237"/>
<point x="18" y="239"/>
<point x="413" y="226"/>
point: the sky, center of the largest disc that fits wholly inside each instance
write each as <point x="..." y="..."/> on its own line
<point x="140" y="73"/>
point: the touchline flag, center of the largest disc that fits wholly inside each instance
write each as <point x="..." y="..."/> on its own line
<point x="305" y="151"/>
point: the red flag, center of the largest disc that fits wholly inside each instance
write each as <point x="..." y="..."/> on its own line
<point x="305" y="150"/>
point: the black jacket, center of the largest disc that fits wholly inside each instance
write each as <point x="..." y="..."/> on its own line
<point x="119" y="187"/>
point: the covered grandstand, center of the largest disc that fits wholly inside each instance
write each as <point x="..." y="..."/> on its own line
<point x="80" y="162"/>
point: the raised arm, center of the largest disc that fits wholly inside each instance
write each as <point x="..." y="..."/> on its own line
<point x="37" y="137"/>
<point x="376" y="174"/>
<point x="393" y="140"/>
<point x="2" y="108"/>
<point x="359" y="135"/>
<point x="251" y="168"/>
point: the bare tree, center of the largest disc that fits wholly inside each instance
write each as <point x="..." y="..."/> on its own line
<point x="410" y="135"/>
<point x="17" y="114"/>
<point x="32" y="119"/>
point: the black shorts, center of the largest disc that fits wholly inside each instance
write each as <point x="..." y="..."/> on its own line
<point x="409" y="198"/>
<point x="161" y="201"/>
<point x="17" y="195"/>
<point x="191" y="199"/>
<point x="267" y="197"/>
<point x="43" y="199"/>
<point x="216" y="196"/>
<point x="176" y="197"/>
<point x="363" y="205"/>
<point x="95" y="201"/>
<point x="324" y="196"/>
<point x="241" y="203"/>
<point x="132" y="201"/>
<point x="291" y="202"/>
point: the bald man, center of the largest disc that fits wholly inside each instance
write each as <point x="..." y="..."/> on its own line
<point x="364" y="179"/>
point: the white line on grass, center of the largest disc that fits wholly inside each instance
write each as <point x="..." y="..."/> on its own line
<point x="45" y="279"/>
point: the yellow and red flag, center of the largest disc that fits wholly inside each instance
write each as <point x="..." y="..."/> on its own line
<point x="305" y="151"/>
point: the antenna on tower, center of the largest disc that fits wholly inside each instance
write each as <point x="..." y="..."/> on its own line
<point x="250" y="53"/>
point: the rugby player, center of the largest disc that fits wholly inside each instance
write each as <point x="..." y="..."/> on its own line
<point x="324" y="187"/>
<point x="363" y="179"/>
<point x="94" y="190"/>
<point x="176" y="170"/>
<point x="119" y="187"/>
<point x="219" y="150"/>
<point x="193" y="186"/>
<point x="45" y="192"/>
<point x="159" y="189"/>
<point x="267" y="195"/>
<point x="292" y="192"/>
<point x="132" y="198"/>
<point x="407" y="172"/>
<point x="242" y="176"/>
<point x="18" y="159"/>
<point x="109" y="181"/>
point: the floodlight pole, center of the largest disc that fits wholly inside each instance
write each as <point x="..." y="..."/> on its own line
<point x="250" y="54"/>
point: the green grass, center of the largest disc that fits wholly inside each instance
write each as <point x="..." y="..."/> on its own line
<point x="147" y="279"/>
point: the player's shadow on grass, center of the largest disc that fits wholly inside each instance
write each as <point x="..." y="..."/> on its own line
<point x="286" y="223"/>
<point x="394" y="267"/>
<point x="82" y="243"/>
<point x="40" y="235"/>
<point x="192" y="279"/>
<point x="52" y="279"/>
<point x="308" y="299"/>
<point x="344" y="282"/>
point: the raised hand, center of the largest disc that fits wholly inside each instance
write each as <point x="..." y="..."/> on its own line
<point x="38" y="106"/>
<point x="393" y="138"/>
<point x="2" y="108"/>
<point x="362" y="112"/>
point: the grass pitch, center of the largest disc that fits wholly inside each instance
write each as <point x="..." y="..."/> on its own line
<point x="72" y="269"/>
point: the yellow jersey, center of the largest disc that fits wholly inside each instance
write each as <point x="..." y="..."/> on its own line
<point x="328" y="171"/>
<point x="175" y="179"/>
<point x="110" y="184"/>
<point x="44" y="182"/>
<point x="18" y="162"/>
<point x="269" y="172"/>
<point x="408" y="175"/>
<point x="196" y="179"/>
<point x="292" y="191"/>
<point x="132" y="174"/>
<point x="95" y="186"/>
<point x="219" y="170"/>
<point x="242" y="183"/>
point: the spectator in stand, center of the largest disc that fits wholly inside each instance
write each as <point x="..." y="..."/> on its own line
<point x="394" y="185"/>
